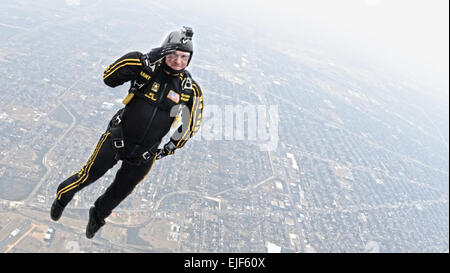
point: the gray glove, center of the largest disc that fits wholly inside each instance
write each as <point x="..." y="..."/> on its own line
<point x="158" y="53"/>
<point x="168" y="149"/>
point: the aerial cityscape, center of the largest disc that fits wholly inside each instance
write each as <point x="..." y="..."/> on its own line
<point x="359" y="162"/>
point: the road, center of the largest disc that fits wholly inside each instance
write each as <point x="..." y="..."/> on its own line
<point x="61" y="137"/>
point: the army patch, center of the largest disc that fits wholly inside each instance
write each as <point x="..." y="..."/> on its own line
<point x="155" y="87"/>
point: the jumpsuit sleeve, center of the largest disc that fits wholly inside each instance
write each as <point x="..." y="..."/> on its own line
<point x="195" y="106"/>
<point x="126" y="68"/>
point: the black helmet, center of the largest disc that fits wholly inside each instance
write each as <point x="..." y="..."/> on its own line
<point x="183" y="39"/>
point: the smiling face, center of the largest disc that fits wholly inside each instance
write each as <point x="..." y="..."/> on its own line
<point x="177" y="60"/>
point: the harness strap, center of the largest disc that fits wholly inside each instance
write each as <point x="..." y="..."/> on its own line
<point x="187" y="81"/>
<point x="144" y="157"/>
<point x="115" y="127"/>
<point x="118" y="143"/>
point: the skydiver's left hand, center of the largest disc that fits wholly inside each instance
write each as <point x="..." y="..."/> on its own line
<point x="168" y="149"/>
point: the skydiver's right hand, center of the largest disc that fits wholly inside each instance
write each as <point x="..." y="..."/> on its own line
<point x="159" y="52"/>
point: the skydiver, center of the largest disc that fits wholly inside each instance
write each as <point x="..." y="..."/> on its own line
<point x="161" y="91"/>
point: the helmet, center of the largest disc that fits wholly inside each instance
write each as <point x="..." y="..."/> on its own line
<point x="183" y="39"/>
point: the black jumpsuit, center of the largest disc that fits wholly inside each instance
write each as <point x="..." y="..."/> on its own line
<point x="145" y="121"/>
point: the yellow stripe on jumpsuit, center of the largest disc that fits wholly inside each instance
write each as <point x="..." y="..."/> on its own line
<point x="101" y="160"/>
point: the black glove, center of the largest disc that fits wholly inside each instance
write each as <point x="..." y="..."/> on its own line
<point x="159" y="52"/>
<point x="168" y="149"/>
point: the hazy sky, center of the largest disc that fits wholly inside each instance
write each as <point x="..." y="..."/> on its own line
<point x="418" y="28"/>
<point x="416" y="32"/>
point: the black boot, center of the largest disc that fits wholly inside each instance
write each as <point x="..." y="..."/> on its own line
<point x="56" y="210"/>
<point x="94" y="224"/>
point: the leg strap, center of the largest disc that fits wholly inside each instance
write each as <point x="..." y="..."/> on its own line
<point x="115" y="127"/>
